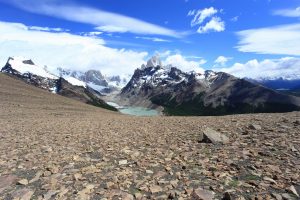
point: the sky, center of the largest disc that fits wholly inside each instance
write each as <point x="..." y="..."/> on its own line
<point x="247" y="38"/>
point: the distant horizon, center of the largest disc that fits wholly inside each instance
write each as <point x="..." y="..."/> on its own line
<point x="246" y="39"/>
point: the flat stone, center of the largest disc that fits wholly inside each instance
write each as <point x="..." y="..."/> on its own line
<point x="49" y="194"/>
<point x="211" y="136"/>
<point x="201" y="194"/>
<point x="138" y="195"/>
<point x="126" y="196"/>
<point x="149" y="172"/>
<point x="255" y="127"/>
<point x="277" y="196"/>
<point x="123" y="162"/>
<point x="269" y="180"/>
<point x="293" y="190"/>
<point x="37" y="177"/>
<point x="155" y="189"/>
<point x="6" y="181"/>
<point x="53" y="169"/>
<point x="286" y="196"/>
<point x="23" y="194"/>
<point x="23" y="182"/>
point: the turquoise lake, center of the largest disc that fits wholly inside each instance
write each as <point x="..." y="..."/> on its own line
<point x="136" y="111"/>
<point x="139" y="111"/>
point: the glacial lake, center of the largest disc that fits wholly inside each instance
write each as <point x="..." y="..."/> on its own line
<point x="136" y="111"/>
<point x="139" y="111"/>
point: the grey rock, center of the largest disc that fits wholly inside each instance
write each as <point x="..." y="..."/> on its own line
<point x="23" y="194"/>
<point x="201" y="194"/>
<point x="23" y="182"/>
<point x="6" y="181"/>
<point x="211" y="136"/>
<point x="255" y="127"/>
<point x="123" y="162"/>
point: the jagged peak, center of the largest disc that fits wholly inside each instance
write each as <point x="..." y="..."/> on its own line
<point x="154" y="61"/>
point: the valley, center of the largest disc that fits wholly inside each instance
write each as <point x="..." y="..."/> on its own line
<point x="53" y="147"/>
<point x="149" y="100"/>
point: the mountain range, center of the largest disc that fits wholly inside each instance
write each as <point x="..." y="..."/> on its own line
<point x="65" y="86"/>
<point x="207" y="93"/>
<point x="160" y="87"/>
<point x="280" y="83"/>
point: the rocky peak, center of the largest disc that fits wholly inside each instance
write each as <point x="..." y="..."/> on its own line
<point x="153" y="62"/>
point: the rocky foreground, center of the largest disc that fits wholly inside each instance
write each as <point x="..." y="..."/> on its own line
<point x="52" y="147"/>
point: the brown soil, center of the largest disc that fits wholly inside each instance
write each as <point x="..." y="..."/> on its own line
<point x="65" y="149"/>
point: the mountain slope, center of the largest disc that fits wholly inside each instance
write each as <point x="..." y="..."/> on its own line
<point x="83" y="94"/>
<point x="35" y="75"/>
<point x="209" y="93"/>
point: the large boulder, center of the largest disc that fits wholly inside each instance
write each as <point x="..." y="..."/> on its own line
<point x="211" y="136"/>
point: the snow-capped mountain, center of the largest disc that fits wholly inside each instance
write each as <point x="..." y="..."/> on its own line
<point x="39" y="76"/>
<point x="31" y="73"/>
<point x="208" y="93"/>
<point x="95" y="79"/>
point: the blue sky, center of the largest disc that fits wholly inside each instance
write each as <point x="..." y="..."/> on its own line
<point x="233" y="35"/>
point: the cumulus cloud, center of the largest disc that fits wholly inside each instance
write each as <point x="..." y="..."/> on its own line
<point x="222" y="60"/>
<point x="215" y="24"/>
<point x="184" y="64"/>
<point x="103" y="20"/>
<point x="288" y="12"/>
<point x="282" y="40"/>
<point x="287" y="67"/>
<point x="66" y="50"/>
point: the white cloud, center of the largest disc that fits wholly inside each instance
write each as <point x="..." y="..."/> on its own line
<point x="215" y="24"/>
<point x="38" y="28"/>
<point x="154" y="39"/>
<point x="288" y="12"/>
<point x="222" y="60"/>
<point x="201" y="15"/>
<point x="105" y="21"/>
<point x="112" y="29"/>
<point x="282" y="40"/>
<point x="92" y="34"/>
<point x="66" y="50"/>
<point x="177" y="60"/>
<point x="287" y="67"/>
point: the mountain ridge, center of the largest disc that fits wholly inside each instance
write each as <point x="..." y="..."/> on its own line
<point x="208" y="93"/>
<point x="35" y="75"/>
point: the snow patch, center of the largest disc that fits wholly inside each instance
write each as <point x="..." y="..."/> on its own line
<point x="17" y="63"/>
<point x="75" y="81"/>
